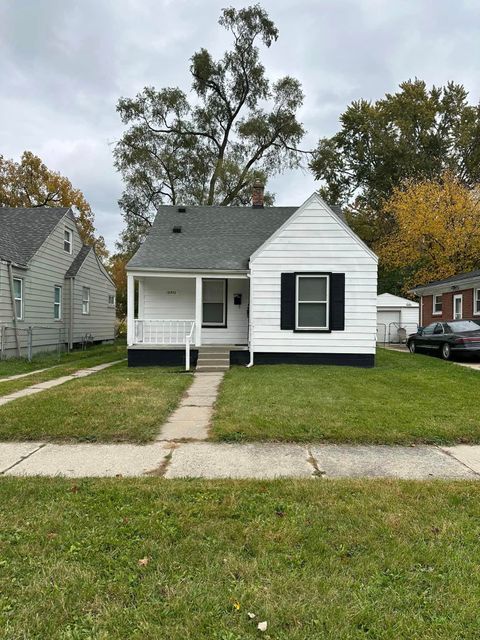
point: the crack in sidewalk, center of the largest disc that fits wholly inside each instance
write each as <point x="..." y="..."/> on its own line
<point x="23" y="458"/>
<point x="453" y="457"/>
<point x="161" y="470"/>
<point x="317" y="472"/>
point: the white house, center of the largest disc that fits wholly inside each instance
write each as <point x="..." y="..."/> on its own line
<point x="252" y="285"/>
<point x="393" y="314"/>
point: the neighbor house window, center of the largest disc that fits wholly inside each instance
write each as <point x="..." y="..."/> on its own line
<point x="67" y="240"/>
<point x="214" y="303"/>
<point x="476" y="302"/>
<point x="111" y="300"/>
<point x="312" y="302"/>
<point x="458" y="307"/>
<point x="18" y="297"/>
<point x="57" y="303"/>
<point x="85" y="300"/>
<point x="437" y="304"/>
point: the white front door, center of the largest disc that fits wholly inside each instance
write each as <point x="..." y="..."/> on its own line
<point x="457" y="307"/>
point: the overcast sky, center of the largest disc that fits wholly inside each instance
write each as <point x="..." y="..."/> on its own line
<point x="65" y="63"/>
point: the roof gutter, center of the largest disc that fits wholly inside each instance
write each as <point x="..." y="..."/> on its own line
<point x="175" y="270"/>
<point x="454" y="285"/>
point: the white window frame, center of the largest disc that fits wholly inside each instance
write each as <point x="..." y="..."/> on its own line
<point x="86" y="301"/>
<point x="223" y="324"/>
<point x="68" y="239"/>
<point x="476" y="301"/>
<point x="326" y="301"/>
<point x="434" y="303"/>
<point x="456" y="297"/>
<point x="57" y="304"/>
<point x="20" y="299"/>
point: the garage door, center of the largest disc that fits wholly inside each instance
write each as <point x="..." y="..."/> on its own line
<point x="386" y="330"/>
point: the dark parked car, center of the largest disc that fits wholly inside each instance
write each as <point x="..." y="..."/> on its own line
<point x="447" y="338"/>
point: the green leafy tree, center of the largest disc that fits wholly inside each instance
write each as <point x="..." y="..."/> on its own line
<point x="238" y="127"/>
<point x="415" y="134"/>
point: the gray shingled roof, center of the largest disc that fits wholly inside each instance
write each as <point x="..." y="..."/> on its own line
<point x="221" y="238"/>
<point x="24" y="230"/>
<point x="79" y="259"/>
<point x="452" y="279"/>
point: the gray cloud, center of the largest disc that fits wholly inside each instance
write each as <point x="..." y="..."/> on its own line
<point x="65" y="63"/>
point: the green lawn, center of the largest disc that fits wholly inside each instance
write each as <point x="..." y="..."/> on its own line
<point x="62" y="364"/>
<point x="404" y="399"/>
<point x="117" y="404"/>
<point x="332" y="560"/>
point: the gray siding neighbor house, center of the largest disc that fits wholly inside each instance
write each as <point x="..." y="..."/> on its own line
<point x="53" y="289"/>
<point x="213" y="286"/>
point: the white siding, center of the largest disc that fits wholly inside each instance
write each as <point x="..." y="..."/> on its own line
<point x="174" y="299"/>
<point x="410" y="316"/>
<point x="169" y="299"/>
<point x="237" y="320"/>
<point x="315" y="240"/>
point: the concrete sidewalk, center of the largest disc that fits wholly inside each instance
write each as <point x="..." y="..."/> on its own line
<point x="222" y="460"/>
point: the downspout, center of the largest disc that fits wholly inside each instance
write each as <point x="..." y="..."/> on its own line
<point x="14" y="311"/>
<point x="250" y="332"/>
<point x="72" y="323"/>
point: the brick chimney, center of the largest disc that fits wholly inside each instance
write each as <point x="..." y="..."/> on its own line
<point x="257" y="196"/>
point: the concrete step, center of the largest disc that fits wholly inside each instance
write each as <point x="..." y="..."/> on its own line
<point x="214" y="356"/>
<point x="213" y="359"/>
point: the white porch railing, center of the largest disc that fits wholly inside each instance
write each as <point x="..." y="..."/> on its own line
<point x="165" y="332"/>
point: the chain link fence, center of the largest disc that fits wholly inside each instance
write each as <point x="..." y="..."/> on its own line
<point x="24" y="342"/>
<point x="395" y="332"/>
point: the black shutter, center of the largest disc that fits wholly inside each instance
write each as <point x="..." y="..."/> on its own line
<point x="287" y="301"/>
<point x="337" y="302"/>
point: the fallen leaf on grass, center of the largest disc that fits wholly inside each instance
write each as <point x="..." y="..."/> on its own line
<point x="74" y="489"/>
<point x="251" y="615"/>
<point x="262" y="626"/>
<point x="143" y="562"/>
<point x="236" y="605"/>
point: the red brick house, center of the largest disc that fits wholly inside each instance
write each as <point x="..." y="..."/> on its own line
<point x="453" y="298"/>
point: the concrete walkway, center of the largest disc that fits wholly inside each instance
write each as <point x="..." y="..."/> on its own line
<point x="49" y="384"/>
<point x="18" y="376"/>
<point x="257" y="460"/>
<point x="191" y="420"/>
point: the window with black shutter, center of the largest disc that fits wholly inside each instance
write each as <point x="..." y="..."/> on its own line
<point x="287" y="301"/>
<point x="312" y="302"/>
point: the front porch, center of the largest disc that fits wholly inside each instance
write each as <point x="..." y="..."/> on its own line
<point x="170" y="315"/>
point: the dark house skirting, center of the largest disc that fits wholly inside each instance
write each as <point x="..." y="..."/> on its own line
<point x="176" y="357"/>
<point x="345" y="359"/>
<point x="160" y="357"/>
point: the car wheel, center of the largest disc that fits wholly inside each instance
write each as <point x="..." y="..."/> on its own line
<point x="411" y="346"/>
<point x="446" y="351"/>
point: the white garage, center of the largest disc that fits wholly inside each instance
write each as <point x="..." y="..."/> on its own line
<point x="396" y="317"/>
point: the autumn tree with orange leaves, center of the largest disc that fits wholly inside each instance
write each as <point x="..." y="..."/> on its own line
<point x="436" y="230"/>
<point x="29" y="183"/>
